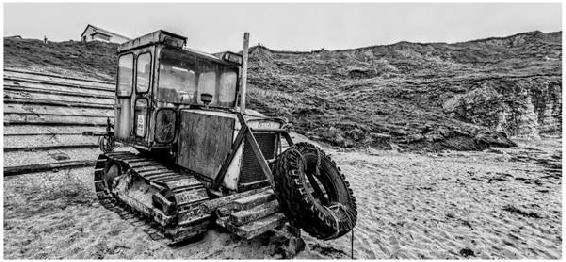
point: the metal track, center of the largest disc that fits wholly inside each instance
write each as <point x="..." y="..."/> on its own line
<point x="184" y="219"/>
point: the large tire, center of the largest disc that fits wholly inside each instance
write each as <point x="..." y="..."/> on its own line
<point x="327" y="217"/>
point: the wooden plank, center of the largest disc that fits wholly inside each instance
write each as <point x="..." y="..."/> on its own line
<point x="14" y="119"/>
<point x="247" y="202"/>
<point x="17" y="158"/>
<point x="41" y="134"/>
<point x="70" y="104"/>
<point x="43" y="84"/>
<point x="64" y="114"/>
<point x="214" y="204"/>
<point x="14" y="71"/>
<point x="48" y="130"/>
<point x="75" y="85"/>
<point x="258" y="227"/>
<point x="253" y="185"/>
<point x="37" y="148"/>
<point x="26" y="109"/>
<point x="28" y="95"/>
<point x="57" y="78"/>
<point x="249" y="215"/>
<point x="33" y="168"/>
<point x="254" y="200"/>
<point x="57" y="86"/>
<point x="42" y="90"/>
<point x="49" y="140"/>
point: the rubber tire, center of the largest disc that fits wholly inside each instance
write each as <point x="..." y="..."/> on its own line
<point x="300" y="207"/>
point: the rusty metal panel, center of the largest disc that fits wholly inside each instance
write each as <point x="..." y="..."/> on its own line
<point x="204" y="142"/>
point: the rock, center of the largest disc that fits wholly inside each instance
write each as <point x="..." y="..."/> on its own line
<point x="356" y="134"/>
<point x="433" y="137"/>
<point x="494" y="150"/>
<point x="467" y="252"/>
<point x="360" y="72"/>
<point x="381" y="135"/>
<point x="493" y="139"/>
<point x="415" y="138"/>
<point x="521" y="107"/>
<point x="372" y="151"/>
<point x="381" y="141"/>
<point x="513" y="209"/>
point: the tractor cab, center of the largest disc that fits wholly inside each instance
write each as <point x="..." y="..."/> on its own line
<point x="156" y="78"/>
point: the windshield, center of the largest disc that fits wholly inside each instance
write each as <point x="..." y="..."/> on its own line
<point x="183" y="77"/>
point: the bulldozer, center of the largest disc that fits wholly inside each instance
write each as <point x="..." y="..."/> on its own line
<point x="186" y="141"/>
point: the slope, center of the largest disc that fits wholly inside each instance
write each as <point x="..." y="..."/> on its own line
<point x="463" y="96"/>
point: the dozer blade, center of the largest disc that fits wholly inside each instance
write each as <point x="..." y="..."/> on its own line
<point x="143" y="190"/>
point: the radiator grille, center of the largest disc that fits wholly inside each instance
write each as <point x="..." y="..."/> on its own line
<point x="251" y="171"/>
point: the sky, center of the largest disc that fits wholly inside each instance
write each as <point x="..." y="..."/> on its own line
<point x="290" y="26"/>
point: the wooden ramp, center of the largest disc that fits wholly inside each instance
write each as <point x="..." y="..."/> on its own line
<point x="45" y="116"/>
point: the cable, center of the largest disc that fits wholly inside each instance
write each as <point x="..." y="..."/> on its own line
<point x="352" y="243"/>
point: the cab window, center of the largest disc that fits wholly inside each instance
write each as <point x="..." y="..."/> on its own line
<point x="184" y="77"/>
<point x="207" y="84"/>
<point x="143" y="69"/>
<point x="176" y="83"/>
<point x="125" y="75"/>
<point x="228" y="78"/>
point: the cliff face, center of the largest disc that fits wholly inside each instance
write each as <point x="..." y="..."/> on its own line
<point x="416" y="95"/>
<point x="525" y="107"/>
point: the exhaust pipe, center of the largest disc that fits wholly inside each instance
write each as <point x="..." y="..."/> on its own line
<point x="244" y="72"/>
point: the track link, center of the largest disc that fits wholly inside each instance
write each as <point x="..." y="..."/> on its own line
<point x="176" y="212"/>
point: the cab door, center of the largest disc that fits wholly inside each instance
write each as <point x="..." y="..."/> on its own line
<point x="142" y="97"/>
<point x="123" y="102"/>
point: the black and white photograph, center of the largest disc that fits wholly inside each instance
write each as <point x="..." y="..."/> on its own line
<point x="282" y="130"/>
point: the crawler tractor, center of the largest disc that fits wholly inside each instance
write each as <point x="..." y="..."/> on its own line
<point x="185" y="142"/>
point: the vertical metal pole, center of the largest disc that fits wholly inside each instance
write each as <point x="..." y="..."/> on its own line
<point x="244" y="72"/>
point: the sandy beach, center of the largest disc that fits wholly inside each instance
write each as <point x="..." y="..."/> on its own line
<point x="499" y="203"/>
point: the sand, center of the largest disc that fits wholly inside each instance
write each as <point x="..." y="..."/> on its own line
<point x="503" y="203"/>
